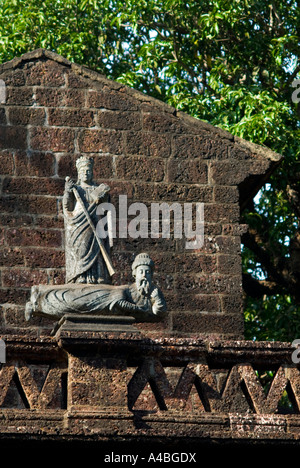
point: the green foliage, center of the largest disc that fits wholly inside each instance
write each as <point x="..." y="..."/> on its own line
<point x="272" y="318"/>
<point x="231" y="63"/>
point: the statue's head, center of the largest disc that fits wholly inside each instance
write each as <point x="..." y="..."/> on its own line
<point x="85" y="167"/>
<point x="142" y="271"/>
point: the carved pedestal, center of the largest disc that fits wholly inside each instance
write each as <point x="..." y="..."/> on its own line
<point x="97" y="377"/>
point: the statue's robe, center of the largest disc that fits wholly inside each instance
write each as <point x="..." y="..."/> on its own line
<point x="103" y="299"/>
<point x="84" y="261"/>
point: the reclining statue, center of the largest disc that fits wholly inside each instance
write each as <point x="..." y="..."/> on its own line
<point x="141" y="299"/>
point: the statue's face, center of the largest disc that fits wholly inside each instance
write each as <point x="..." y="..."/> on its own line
<point x="142" y="273"/>
<point x="85" y="174"/>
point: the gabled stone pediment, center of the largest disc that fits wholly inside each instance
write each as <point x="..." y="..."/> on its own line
<point x="44" y="68"/>
<point x="53" y="111"/>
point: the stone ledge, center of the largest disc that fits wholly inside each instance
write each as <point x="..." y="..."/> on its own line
<point x="252" y="351"/>
<point x="102" y="426"/>
<point x="216" y="351"/>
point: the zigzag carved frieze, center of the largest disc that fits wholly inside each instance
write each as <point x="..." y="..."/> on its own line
<point x="18" y="385"/>
<point x="199" y="388"/>
<point x="151" y="386"/>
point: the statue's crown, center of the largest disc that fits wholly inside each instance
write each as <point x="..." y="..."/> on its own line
<point x="143" y="259"/>
<point x="84" y="161"/>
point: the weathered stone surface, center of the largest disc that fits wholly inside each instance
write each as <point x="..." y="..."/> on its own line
<point x="122" y="385"/>
<point x="97" y="383"/>
<point x="56" y="111"/>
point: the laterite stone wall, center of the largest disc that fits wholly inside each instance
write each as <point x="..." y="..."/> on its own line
<point x="53" y="112"/>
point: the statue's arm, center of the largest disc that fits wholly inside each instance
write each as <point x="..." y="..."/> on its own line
<point x="159" y="305"/>
<point x="126" y="303"/>
<point x="100" y="193"/>
<point x="130" y="307"/>
<point x="68" y="201"/>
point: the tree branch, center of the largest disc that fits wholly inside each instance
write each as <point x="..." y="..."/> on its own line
<point x="252" y="240"/>
<point x="259" y="288"/>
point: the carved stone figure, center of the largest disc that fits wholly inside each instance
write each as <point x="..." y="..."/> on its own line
<point x="88" y="266"/>
<point x="87" y="259"/>
<point x="141" y="299"/>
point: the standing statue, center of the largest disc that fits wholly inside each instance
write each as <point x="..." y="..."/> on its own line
<point x="87" y="258"/>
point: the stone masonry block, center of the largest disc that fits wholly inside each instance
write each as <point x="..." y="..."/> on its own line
<point x="196" y="262"/>
<point x="45" y="73"/>
<point x="14" y="78"/>
<point x="229" y="172"/>
<point x="209" y="284"/>
<point x="27" y="237"/>
<point x="2" y="116"/>
<point x="60" y="97"/>
<point x="6" y="162"/>
<point x="34" y="204"/>
<point x="232" y="303"/>
<point x="199" y="194"/>
<point x="52" y="139"/>
<point x="102" y="141"/>
<point x="97" y="381"/>
<point x="203" y="146"/>
<point x="173" y="192"/>
<point x="103" y="166"/>
<point x="22" y="277"/>
<point x="13" y="137"/>
<point x="111" y="100"/>
<point x="226" y="194"/>
<point x="26" y="116"/>
<point x="11" y="257"/>
<point x="49" y="97"/>
<point x="24" y="185"/>
<point x="76" y="81"/>
<point x="74" y="98"/>
<point x="229" y="264"/>
<point x="13" y="295"/>
<point x="187" y="172"/>
<point x="119" y="120"/>
<point x="145" y="191"/>
<point x="194" y="302"/>
<point x="163" y="123"/>
<point x="70" y="117"/>
<point x="221" y="213"/>
<point x="22" y="96"/>
<point x="228" y="244"/>
<point x="148" y="144"/>
<point x="35" y="257"/>
<point x="140" y="168"/>
<point x="197" y="322"/>
<point x="189" y="146"/>
<point x="34" y="163"/>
